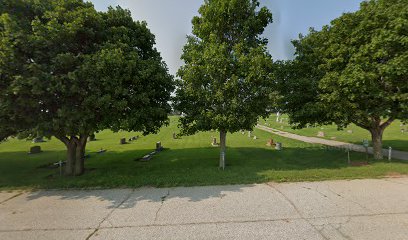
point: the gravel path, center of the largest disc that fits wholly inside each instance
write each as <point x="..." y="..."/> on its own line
<point x="402" y="155"/>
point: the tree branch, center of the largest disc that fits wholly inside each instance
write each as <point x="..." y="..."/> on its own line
<point x="387" y="123"/>
<point x="362" y="125"/>
<point x="62" y="138"/>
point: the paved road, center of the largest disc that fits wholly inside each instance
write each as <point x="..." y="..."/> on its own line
<point x="402" y="155"/>
<point x="357" y="209"/>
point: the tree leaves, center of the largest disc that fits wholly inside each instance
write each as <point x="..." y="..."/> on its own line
<point x="360" y="66"/>
<point x="225" y="82"/>
<point x="71" y="70"/>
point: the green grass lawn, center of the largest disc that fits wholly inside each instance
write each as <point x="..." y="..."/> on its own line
<point x="393" y="137"/>
<point x="188" y="161"/>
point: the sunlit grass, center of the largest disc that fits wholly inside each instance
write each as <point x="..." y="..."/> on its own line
<point x="189" y="161"/>
<point x="395" y="135"/>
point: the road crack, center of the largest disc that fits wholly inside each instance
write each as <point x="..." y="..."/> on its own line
<point x="109" y="214"/>
<point x="163" y="198"/>
<point x="338" y="229"/>
<point x="348" y="199"/>
<point x="298" y="211"/>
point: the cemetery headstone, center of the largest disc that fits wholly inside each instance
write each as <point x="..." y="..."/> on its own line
<point x="214" y="142"/>
<point x="38" y="140"/>
<point x="320" y="134"/>
<point x="146" y="158"/>
<point x="123" y="141"/>
<point x="278" y="146"/>
<point x="35" y="149"/>
<point x="255" y="138"/>
<point x="91" y="138"/>
<point x="270" y="143"/>
<point x="101" y="150"/>
<point x="249" y="134"/>
<point x="158" y="146"/>
<point x="174" y="136"/>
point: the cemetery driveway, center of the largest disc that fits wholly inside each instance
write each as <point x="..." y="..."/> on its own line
<point x="358" y="209"/>
<point x="402" y="155"/>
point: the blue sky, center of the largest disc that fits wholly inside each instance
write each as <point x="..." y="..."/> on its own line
<point x="170" y="21"/>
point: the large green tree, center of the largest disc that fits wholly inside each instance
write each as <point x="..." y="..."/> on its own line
<point x="68" y="71"/>
<point x="353" y="71"/>
<point x="225" y="81"/>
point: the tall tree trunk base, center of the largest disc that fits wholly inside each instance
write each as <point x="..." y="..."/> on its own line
<point x="376" y="136"/>
<point x="80" y="156"/>
<point x="69" y="169"/>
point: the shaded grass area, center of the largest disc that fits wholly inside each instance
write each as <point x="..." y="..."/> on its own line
<point x="395" y="135"/>
<point x="189" y="161"/>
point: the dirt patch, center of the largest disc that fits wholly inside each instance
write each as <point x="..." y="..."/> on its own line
<point x="359" y="164"/>
<point x="395" y="175"/>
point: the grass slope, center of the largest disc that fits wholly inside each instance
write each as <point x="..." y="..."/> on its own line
<point x="188" y="161"/>
<point x="393" y="135"/>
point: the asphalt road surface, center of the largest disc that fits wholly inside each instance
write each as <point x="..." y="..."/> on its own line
<point x="357" y="209"/>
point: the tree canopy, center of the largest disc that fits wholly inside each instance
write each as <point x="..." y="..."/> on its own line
<point x="354" y="70"/>
<point x="68" y="71"/>
<point x="225" y="81"/>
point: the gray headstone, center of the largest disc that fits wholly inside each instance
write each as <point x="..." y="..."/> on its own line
<point x="146" y="158"/>
<point x="123" y="141"/>
<point x="158" y="146"/>
<point x="38" y="140"/>
<point x="320" y="134"/>
<point x="91" y="138"/>
<point x="278" y="146"/>
<point x="35" y="149"/>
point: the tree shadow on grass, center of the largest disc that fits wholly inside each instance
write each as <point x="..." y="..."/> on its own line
<point x="182" y="167"/>
<point x="401" y="145"/>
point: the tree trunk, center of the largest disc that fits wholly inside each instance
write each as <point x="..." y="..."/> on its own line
<point x="71" y="158"/>
<point x="80" y="153"/>
<point x="223" y="136"/>
<point x="376" y="136"/>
